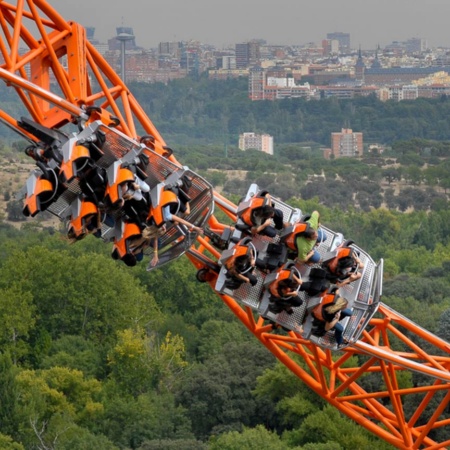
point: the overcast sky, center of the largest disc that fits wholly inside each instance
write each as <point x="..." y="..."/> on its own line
<point x="279" y="22"/>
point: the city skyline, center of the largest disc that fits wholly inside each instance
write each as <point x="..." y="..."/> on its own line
<point x="296" y="22"/>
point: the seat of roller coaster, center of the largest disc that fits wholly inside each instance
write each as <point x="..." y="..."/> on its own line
<point x="271" y="256"/>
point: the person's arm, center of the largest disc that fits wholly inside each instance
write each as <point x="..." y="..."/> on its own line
<point x="359" y="262"/>
<point x="155" y="258"/>
<point x="305" y="258"/>
<point x="189" y="225"/>
<point x="256" y="230"/>
<point x="242" y="277"/>
<point x="330" y="325"/>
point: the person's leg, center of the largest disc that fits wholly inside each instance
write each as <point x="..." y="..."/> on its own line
<point x="315" y="258"/>
<point x="269" y="231"/>
<point x="347" y="312"/>
<point x="338" y="331"/>
<point x="296" y="301"/>
<point x="322" y="236"/>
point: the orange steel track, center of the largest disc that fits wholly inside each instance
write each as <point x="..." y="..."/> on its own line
<point x="41" y="53"/>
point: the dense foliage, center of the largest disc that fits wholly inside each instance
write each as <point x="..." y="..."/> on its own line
<point x="216" y="111"/>
<point x="97" y="355"/>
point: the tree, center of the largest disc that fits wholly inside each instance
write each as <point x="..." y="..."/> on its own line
<point x="9" y="396"/>
<point x="6" y="443"/>
<point x="130" y="422"/>
<point x="249" y="439"/>
<point x="17" y="318"/>
<point x="217" y="393"/>
<point x="52" y="401"/>
<point x="89" y="295"/>
<point x="330" y="427"/>
<point x="139" y="363"/>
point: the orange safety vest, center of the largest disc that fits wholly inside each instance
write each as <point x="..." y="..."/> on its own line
<point x="298" y="229"/>
<point x="328" y="300"/>
<point x="255" y="203"/>
<point x="240" y="249"/>
<point x="342" y="252"/>
<point x="283" y="274"/>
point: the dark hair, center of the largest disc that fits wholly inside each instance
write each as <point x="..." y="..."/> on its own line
<point x="242" y="262"/>
<point x="288" y="283"/>
<point x="267" y="210"/>
<point x="346" y="262"/>
<point x="309" y="232"/>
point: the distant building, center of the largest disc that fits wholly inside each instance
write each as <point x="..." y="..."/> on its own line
<point x="170" y="48"/>
<point x="346" y="143"/>
<point x="360" y="68"/>
<point x="261" y="142"/>
<point x="247" y="54"/>
<point x="398" y="75"/>
<point x="343" y="40"/>
<point x="114" y="44"/>
<point x="330" y="47"/>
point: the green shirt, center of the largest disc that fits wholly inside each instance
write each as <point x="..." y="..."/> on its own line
<point x="304" y="246"/>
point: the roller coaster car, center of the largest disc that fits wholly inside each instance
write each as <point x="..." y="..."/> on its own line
<point x="162" y="197"/>
<point x="40" y="190"/>
<point x="126" y="233"/>
<point x="76" y="159"/>
<point x="117" y="176"/>
<point x="83" y="213"/>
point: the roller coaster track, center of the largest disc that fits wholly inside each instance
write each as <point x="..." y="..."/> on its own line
<point x="57" y="75"/>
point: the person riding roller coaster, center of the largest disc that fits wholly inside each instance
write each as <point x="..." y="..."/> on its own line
<point x="167" y="208"/>
<point x="258" y="216"/>
<point x="345" y="267"/>
<point x="328" y="314"/>
<point x="308" y="238"/>
<point x="240" y="265"/>
<point x="284" y="290"/>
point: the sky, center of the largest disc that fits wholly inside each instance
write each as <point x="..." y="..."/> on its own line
<point x="296" y="22"/>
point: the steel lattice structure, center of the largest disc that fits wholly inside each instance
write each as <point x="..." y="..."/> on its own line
<point x="57" y="74"/>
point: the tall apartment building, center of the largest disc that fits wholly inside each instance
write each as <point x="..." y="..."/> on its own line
<point x="343" y="40"/>
<point x="261" y="142"/>
<point x="346" y="143"/>
<point x="330" y="47"/>
<point x="170" y="48"/>
<point x="247" y="54"/>
<point x="256" y="83"/>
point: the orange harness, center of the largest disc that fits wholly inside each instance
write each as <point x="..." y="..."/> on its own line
<point x="298" y="229"/>
<point x="342" y="252"/>
<point x="282" y="274"/>
<point x="156" y="212"/>
<point x="328" y="300"/>
<point x="77" y="224"/>
<point x="255" y="203"/>
<point x="240" y="249"/>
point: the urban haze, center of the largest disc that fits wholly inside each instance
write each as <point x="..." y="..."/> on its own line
<point x="295" y="22"/>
